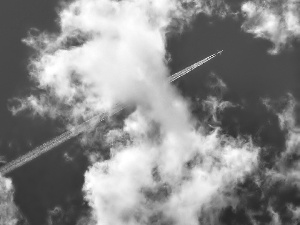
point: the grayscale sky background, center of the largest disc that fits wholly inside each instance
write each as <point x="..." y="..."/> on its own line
<point x="250" y="92"/>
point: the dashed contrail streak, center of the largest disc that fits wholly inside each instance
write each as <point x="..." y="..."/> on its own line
<point x="49" y="145"/>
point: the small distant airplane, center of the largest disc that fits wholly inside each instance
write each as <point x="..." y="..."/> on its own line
<point x="220" y="52"/>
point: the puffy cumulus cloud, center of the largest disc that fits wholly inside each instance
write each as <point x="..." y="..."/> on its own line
<point x="166" y="180"/>
<point x="120" y="46"/>
<point x="275" y="20"/>
<point x="166" y="170"/>
<point x="123" y="52"/>
<point x="9" y="213"/>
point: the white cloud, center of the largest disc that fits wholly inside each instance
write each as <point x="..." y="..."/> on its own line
<point x="9" y="214"/>
<point x="276" y="21"/>
<point x="190" y="170"/>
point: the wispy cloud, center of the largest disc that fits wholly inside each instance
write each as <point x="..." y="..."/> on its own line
<point x="272" y="192"/>
<point x="277" y="21"/>
<point x="273" y="20"/>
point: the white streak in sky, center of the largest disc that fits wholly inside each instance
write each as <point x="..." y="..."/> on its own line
<point x="53" y="143"/>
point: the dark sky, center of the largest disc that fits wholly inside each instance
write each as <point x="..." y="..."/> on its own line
<point x="248" y="70"/>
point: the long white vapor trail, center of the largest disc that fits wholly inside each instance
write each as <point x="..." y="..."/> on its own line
<point x="47" y="146"/>
<point x="192" y="67"/>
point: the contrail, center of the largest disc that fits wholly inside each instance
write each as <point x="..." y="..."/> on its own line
<point x="192" y="67"/>
<point x="49" y="145"/>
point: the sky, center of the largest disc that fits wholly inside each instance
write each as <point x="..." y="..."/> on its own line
<point x="218" y="146"/>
